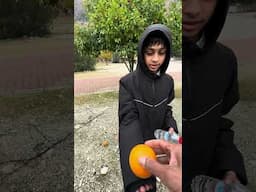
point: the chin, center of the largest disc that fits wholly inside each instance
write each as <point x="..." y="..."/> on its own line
<point x="154" y="71"/>
<point x="190" y="35"/>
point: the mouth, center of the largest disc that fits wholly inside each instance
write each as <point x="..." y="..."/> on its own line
<point x="154" y="66"/>
<point x="191" y="25"/>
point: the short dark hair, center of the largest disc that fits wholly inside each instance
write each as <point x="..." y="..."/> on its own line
<point x="154" y="39"/>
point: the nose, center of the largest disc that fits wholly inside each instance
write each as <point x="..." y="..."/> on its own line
<point x="191" y="8"/>
<point x="155" y="58"/>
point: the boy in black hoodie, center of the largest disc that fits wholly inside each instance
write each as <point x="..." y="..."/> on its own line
<point x="210" y="90"/>
<point x="144" y="96"/>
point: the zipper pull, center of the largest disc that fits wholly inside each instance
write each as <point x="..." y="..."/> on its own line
<point x="165" y="135"/>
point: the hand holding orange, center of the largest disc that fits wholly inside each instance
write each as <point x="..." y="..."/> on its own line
<point x="138" y="151"/>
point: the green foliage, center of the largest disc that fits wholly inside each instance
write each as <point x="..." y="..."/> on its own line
<point x="116" y="25"/>
<point x="85" y="47"/>
<point x="89" y="5"/>
<point x="174" y="22"/>
<point x="84" y="62"/>
<point x="152" y="11"/>
<point x="86" y="40"/>
<point x="105" y="56"/>
<point x="119" y="24"/>
<point x="25" y="18"/>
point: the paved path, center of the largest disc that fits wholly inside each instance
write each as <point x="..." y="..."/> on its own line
<point x="97" y="83"/>
<point x="25" y="66"/>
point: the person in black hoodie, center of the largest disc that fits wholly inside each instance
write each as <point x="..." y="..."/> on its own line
<point x="144" y="96"/>
<point x="210" y="90"/>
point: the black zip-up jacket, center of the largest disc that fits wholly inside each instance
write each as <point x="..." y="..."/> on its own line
<point x="143" y="107"/>
<point x="210" y="90"/>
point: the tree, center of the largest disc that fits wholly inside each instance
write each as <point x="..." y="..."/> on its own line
<point x="20" y="18"/>
<point x="173" y="21"/>
<point x="119" y="24"/>
<point x="86" y="47"/>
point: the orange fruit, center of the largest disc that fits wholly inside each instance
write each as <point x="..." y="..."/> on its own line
<point x="140" y="150"/>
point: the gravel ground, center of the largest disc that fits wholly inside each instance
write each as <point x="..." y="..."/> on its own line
<point x="96" y="146"/>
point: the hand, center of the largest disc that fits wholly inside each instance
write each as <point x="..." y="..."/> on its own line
<point x="144" y="188"/>
<point x="230" y="177"/>
<point x="171" y="130"/>
<point x="168" y="169"/>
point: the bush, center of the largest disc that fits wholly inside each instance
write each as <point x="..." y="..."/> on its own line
<point x="105" y="56"/>
<point x="84" y="63"/>
<point x="25" y="18"/>
<point x="86" y="40"/>
<point x="86" y="48"/>
<point x="173" y="18"/>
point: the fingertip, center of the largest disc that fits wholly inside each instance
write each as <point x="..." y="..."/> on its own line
<point x="142" y="161"/>
<point x="142" y="189"/>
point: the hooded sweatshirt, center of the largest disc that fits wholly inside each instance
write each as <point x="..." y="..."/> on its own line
<point x="210" y="90"/>
<point x="143" y="106"/>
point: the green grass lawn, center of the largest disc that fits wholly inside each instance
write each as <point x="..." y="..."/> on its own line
<point x="96" y="98"/>
<point x="49" y="102"/>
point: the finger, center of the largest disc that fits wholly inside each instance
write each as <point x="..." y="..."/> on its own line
<point x="142" y="189"/>
<point x="147" y="187"/>
<point x="160" y="145"/>
<point x="173" y="160"/>
<point x="153" y="166"/>
<point x="171" y="130"/>
<point x="230" y="179"/>
<point x="163" y="158"/>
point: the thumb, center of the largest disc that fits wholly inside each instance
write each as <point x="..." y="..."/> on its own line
<point x="152" y="166"/>
<point x="173" y="160"/>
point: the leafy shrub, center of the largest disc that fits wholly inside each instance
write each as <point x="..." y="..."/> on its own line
<point x="85" y="48"/>
<point x="25" y="18"/>
<point x="84" y="63"/>
<point x="105" y="56"/>
<point x="121" y="22"/>
<point x="173" y="18"/>
<point x="86" y="40"/>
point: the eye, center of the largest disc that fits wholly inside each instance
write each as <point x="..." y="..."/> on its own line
<point x="149" y="53"/>
<point x="162" y="52"/>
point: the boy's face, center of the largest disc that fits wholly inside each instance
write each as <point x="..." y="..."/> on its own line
<point x="195" y="15"/>
<point x="154" y="57"/>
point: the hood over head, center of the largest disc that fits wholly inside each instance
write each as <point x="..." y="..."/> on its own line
<point x="160" y="31"/>
<point x="212" y="29"/>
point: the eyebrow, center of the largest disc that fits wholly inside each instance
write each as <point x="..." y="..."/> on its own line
<point x="155" y="49"/>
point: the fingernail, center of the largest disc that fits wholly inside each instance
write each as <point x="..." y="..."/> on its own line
<point x="142" y="160"/>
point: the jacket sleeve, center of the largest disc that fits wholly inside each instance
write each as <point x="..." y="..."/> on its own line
<point x="228" y="157"/>
<point x="169" y="119"/>
<point x="129" y="135"/>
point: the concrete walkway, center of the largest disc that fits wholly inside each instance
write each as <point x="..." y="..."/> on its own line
<point x="107" y="78"/>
